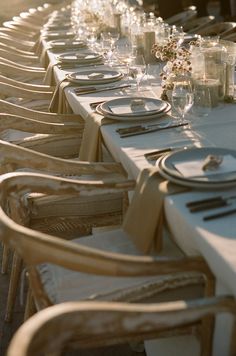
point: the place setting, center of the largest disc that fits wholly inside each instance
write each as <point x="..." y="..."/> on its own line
<point x="201" y="168"/>
<point x="132" y="108"/>
<point x="65" y="43"/>
<point x="58" y="34"/>
<point x="73" y="59"/>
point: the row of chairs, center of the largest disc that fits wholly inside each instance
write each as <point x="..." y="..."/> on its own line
<point x="58" y="136"/>
<point x="204" y="26"/>
<point x="47" y="221"/>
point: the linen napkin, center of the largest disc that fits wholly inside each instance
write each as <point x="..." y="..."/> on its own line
<point x="43" y="56"/>
<point x="144" y="219"/>
<point x="91" y="145"/>
<point x="59" y="102"/>
<point x="49" y="78"/>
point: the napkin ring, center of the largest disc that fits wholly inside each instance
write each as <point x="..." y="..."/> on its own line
<point x="212" y="162"/>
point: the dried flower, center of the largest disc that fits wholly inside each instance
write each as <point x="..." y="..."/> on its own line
<point x="178" y="61"/>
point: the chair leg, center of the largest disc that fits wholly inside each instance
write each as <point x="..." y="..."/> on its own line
<point x="14" y="281"/>
<point x="5" y="258"/>
<point x="30" y="308"/>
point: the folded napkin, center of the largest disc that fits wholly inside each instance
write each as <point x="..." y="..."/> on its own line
<point x="49" y="78"/>
<point x="91" y="145"/>
<point x="38" y="46"/>
<point x="44" y="59"/>
<point x="59" y="102"/>
<point x="144" y="219"/>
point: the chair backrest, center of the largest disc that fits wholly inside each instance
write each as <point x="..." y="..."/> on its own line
<point x="95" y="324"/>
<point x="36" y="248"/>
<point x="182" y="17"/>
<point x="195" y="25"/>
<point x="221" y="29"/>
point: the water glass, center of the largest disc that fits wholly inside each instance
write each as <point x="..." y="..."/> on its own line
<point x="202" y="102"/>
<point x="153" y="74"/>
<point x="182" y="96"/>
<point x="137" y="70"/>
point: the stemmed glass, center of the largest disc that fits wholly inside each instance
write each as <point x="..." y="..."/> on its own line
<point x="125" y="54"/>
<point x="108" y="41"/>
<point x="138" y="70"/>
<point x="182" y="96"/>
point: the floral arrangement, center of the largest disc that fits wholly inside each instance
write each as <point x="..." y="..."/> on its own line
<point x="178" y="62"/>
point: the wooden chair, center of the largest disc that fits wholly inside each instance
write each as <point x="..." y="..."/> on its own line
<point x="195" y="25"/>
<point x="14" y="109"/>
<point x="28" y="97"/>
<point x="62" y="216"/>
<point x="102" y="324"/>
<point x="28" y="66"/>
<point x="109" y="253"/>
<point x="182" y="17"/>
<point x="69" y="215"/>
<point x="9" y="53"/>
<point x="27" y="86"/>
<point x="16" y="71"/>
<point x="59" y="139"/>
<point x="231" y="37"/>
<point x="221" y="29"/>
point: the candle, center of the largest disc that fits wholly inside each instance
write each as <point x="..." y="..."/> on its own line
<point x="149" y="40"/>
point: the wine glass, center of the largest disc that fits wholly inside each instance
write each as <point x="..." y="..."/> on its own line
<point x="108" y="41"/>
<point x="125" y="54"/>
<point x="137" y="70"/>
<point x="182" y="96"/>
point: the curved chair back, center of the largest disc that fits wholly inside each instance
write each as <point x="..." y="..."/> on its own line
<point x="195" y="25"/>
<point x="96" y="324"/>
<point x="221" y="29"/>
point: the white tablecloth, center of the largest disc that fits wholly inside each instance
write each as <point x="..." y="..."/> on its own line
<point x="216" y="239"/>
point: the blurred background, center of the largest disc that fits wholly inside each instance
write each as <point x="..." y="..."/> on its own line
<point x="10" y="8"/>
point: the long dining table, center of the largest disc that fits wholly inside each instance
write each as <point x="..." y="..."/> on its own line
<point x="213" y="239"/>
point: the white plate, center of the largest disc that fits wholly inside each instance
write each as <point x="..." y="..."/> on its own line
<point x="61" y="43"/>
<point x="134" y="118"/>
<point x="85" y="77"/>
<point x="57" y="26"/>
<point x="216" y="180"/>
<point x="76" y="57"/>
<point x="151" y="106"/>
<point x="59" y="34"/>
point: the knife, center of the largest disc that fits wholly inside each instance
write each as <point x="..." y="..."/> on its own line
<point x="77" y="65"/>
<point x="219" y="215"/>
<point x="211" y="203"/>
<point x="145" y="129"/>
<point x="83" y="91"/>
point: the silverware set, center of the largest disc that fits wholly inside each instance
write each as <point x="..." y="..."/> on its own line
<point x="92" y="89"/>
<point x="154" y="155"/>
<point x="213" y="203"/>
<point x="143" y="129"/>
<point x="77" y="65"/>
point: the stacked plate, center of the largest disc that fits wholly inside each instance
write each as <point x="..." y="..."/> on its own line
<point x="58" y="34"/>
<point x="94" y="77"/>
<point x="184" y="167"/>
<point x="66" y="43"/>
<point x="80" y="58"/>
<point x="133" y="108"/>
<point x="57" y="26"/>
